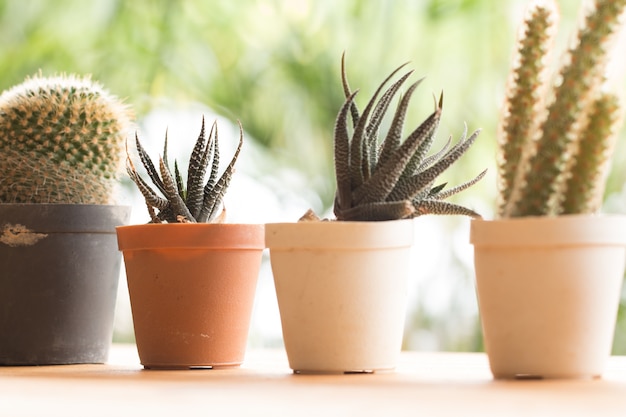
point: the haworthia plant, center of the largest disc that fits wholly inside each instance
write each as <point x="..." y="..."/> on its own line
<point x="395" y="178"/>
<point x="193" y="201"/>
<point x="61" y="141"/>
<point x="555" y="143"/>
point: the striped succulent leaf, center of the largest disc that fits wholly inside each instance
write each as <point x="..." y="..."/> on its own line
<point x="392" y="178"/>
<point x="191" y="201"/>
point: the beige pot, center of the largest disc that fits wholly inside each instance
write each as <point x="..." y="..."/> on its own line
<point x="548" y="292"/>
<point x="341" y="289"/>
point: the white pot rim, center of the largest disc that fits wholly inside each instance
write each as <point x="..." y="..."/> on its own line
<point x="340" y="234"/>
<point x="539" y="231"/>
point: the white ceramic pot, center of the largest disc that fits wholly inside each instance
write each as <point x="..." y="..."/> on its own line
<point x="342" y="290"/>
<point x="548" y="292"/>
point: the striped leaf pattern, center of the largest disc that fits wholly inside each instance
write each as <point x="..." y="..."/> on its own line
<point x="193" y="200"/>
<point x="392" y="178"/>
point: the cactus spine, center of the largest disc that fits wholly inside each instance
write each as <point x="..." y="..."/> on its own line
<point x="555" y="143"/>
<point x="61" y="141"/>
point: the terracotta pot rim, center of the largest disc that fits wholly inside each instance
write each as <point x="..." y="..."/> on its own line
<point x="540" y="231"/>
<point x="340" y="234"/>
<point x="191" y="235"/>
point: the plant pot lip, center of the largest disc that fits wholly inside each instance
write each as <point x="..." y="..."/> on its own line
<point x="564" y="230"/>
<point x="340" y="234"/>
<point x="62" y="205"/>
<point x="191" y="235"/>
<point x="65" y="218"/>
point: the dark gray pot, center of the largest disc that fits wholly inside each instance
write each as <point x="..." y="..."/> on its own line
<point x="58" y="282"/>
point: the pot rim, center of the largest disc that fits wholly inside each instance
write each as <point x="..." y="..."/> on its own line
<point x="191" y="236"/>
<point x="540" y="231"/>
<point x="65" y="218"/>
<point x="340" y="234"/>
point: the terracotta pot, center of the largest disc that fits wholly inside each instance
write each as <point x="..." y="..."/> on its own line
<point x="192" y="290"/>
<point x="342" y="290"/>
<point x="59" y="272"/>
<point x="548" y="292"/>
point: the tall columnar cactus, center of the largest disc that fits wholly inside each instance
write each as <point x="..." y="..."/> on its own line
<point x="61" y="141"/>
<point x="550" y="137"/>
<point x="583" y="191"/>
<point x="525" y="93"/>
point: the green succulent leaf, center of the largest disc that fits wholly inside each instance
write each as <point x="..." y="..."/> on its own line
<point x="393" y="179"/>
<point x="372" y="156"/>
<point x="171" y="192"/>
<point x="428" y="206"/>
<point x="213" y="197"/>
<point x="198" y="162"/>
<point x="380" y="211"/>
<point x="152" y="198"/>
<point x="441" y="195"/>
<point x="148" y="165"/>
<point x="342" y="155"/>
<point x="419" y="182"/>
<point x="385" y="178"/>
<point x="198" y="202"/>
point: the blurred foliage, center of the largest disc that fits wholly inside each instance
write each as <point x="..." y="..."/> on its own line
<point x="274" y="65"/>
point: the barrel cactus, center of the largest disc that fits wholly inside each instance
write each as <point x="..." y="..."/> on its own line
<point x="61" y="141"/>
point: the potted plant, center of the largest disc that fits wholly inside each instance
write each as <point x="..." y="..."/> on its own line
<point x="61" y="144"/>
<point x="549" y="269"/>
<point x="341" y="284"/>
<point x="191" y="277"/>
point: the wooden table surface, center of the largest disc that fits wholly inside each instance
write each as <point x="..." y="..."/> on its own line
<point x="424" y="384"/>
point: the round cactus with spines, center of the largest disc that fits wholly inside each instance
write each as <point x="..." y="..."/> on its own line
<point x="62" y="140"/>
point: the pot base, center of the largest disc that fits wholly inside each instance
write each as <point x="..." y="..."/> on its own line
<point x="524" y="377"/>
<point x="190" y="367"/>
<point x="356" y="372"/>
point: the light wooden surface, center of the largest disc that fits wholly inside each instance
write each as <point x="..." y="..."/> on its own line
<point x="425" y="384"/>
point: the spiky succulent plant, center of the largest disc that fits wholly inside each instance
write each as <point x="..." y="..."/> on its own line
<point x="395" y="178"/>
<point x="61" y="141"/>
<point x="194" y="201"/>
<point x="556" y="140"/>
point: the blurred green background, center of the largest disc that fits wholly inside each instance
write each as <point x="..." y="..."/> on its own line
<point x="274" y="65"/>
